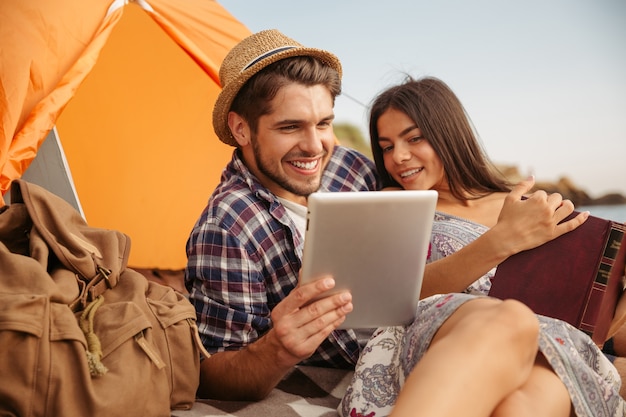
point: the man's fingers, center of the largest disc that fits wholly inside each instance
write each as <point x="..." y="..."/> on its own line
<point x="324" y="311"/>
<point x="307" y="303"/>
<point x="301" y="330"/>
<point x="304" y="294"/>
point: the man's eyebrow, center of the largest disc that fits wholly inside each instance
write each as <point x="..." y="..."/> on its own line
<point x="328" y="118"/>
<point x="298" y="121"/>
<point x="288" y="122"/>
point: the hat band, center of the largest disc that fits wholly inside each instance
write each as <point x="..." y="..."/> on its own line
<point x="267" y="54"/>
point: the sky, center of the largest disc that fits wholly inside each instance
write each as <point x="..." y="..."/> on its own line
<point x="543" y="81"/>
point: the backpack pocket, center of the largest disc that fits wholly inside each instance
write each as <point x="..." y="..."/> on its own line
<point x="22" y="321"/>
<point x="177" y="317"/>
<point x="134" y="372"/>
<point x="38" y="340"/>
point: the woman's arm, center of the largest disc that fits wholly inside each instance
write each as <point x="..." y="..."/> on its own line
<point x="522" y="224"/>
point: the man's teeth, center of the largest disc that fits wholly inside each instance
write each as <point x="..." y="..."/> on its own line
<point x="305" y="165"/>
<point x="411" y="172"/>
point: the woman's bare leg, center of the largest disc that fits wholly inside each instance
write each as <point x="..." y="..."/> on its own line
<point x="480" y="355"/>
<point x="543" y="395"/>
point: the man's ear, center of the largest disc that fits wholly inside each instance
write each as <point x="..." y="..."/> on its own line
<point x="239" y="128"/>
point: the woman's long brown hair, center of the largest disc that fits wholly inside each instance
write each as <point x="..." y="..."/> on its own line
<point x="443" y="121"/>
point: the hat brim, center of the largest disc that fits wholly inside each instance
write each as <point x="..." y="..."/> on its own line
<point x="228" y="93"/>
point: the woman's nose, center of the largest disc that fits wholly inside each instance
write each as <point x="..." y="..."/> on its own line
<point x="401" y="154"/>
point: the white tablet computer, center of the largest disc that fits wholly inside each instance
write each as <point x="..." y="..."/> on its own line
<point x="375" y="244"/>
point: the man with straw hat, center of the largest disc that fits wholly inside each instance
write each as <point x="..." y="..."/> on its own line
<point x="244" y="253"/>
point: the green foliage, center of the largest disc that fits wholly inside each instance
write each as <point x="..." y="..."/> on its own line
<point x="351" y="136"/>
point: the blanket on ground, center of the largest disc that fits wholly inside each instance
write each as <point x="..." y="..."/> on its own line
<point x="305" y="392"/>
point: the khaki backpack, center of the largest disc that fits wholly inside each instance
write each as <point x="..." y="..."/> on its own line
<point x="80" y="333"/>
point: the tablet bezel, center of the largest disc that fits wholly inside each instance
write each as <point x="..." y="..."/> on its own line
<point x="375" y="244"/>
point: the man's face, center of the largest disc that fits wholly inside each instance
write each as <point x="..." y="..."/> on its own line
<point x="293" y="143"/>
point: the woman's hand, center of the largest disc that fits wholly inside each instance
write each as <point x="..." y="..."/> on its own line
<point x="527" y="223"/>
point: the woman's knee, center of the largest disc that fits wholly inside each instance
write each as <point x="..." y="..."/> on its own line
<point x="507" y="328"/>
<point x="518" y="322"/>
<point x="503" y="322"/>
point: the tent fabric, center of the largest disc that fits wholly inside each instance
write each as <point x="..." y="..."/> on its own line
<point x="130" y="87"/>
<point x="47" y="50"/>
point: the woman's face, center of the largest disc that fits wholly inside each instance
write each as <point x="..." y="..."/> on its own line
<point x="409" y="158"/>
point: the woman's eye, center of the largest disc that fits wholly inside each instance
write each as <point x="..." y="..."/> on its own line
<point x="416" y="139"/>
<point x="387" y="148"/>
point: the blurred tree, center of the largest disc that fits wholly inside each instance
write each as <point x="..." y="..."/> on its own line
<point x="351" y="136"/>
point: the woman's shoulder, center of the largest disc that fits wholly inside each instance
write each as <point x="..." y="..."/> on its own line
<point x="483" y="210"/>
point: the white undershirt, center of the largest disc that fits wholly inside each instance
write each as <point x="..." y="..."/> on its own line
<point x="297" y="212"/>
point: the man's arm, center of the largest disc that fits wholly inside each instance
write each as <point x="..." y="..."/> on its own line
<point x="522" y="225"/>
<point x="230" y="296"/>
<point x="298" y="329"/>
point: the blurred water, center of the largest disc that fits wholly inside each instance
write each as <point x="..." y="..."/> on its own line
<point x="613" y="212"/>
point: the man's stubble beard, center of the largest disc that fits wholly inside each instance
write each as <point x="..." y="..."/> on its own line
<point x="266" y="168"/>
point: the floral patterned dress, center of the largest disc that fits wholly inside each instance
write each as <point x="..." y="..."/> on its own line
<point x="390" y="355"/>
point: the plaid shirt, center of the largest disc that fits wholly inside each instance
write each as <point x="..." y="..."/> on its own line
<point x="244" y="254"/>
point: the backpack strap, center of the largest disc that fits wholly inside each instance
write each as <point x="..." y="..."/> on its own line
<point x="92" y="288"/>
<point x="96" y="256"/>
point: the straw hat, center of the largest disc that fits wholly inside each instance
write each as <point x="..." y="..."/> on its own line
<point x="250" y="56"/>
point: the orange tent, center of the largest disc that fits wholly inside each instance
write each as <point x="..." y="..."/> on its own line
<point x="137" y="134"/>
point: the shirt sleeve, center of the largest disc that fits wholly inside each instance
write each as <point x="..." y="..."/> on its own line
<point x="226" y="288"/>
<point x="349" y="170"/>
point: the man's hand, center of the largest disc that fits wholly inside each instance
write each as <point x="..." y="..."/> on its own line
<point x="525" y="224"/>
<point x="300" y="326"/>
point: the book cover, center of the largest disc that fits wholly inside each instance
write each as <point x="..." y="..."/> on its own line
<point x="577" y="277"/>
